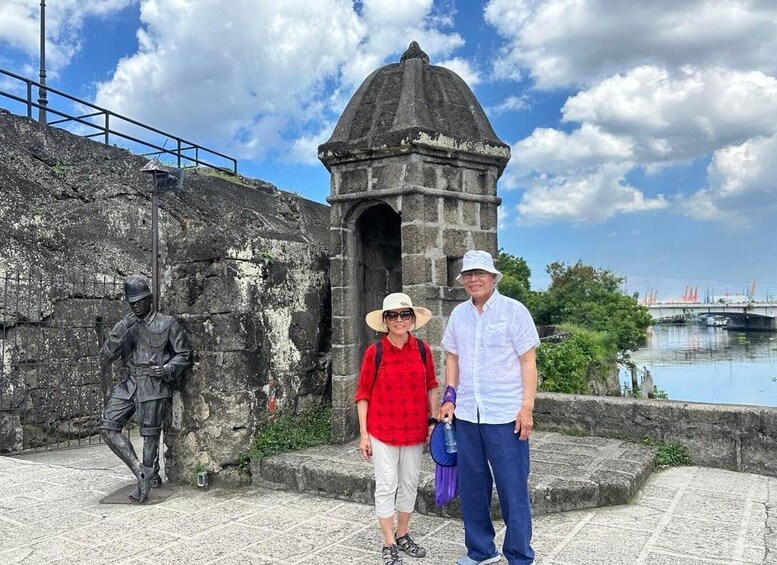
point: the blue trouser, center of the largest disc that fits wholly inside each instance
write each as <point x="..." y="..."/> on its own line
<point x="497" y="444"/>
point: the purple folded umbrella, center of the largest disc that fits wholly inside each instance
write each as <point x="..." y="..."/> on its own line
<point x="446" y="484"/>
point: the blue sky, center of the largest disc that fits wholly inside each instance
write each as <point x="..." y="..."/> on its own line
<point x="644" y="134"/>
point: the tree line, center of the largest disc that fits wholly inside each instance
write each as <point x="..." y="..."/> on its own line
<point x="603" y="324"/>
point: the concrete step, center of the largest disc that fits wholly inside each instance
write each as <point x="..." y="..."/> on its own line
<point x="568" y="473"/>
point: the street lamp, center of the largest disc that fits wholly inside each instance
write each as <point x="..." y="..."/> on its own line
<point x="163" y="180"/>
<point x="42" y="102"/>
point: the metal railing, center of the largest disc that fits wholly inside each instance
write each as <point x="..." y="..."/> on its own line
<point x="105" y="129"/>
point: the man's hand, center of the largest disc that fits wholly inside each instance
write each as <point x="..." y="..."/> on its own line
<point x="365" y="446"/>
<point x="445" y="413"/>
<point x="524" y="423"/>
<point x="157" y="371"/>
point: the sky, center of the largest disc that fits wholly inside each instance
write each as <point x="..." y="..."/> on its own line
<point x="643" y="134"/>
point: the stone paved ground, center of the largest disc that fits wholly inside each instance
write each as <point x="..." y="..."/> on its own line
<point x="49" y="514"/>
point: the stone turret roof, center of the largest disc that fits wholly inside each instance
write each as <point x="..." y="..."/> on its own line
<point x="413" y="102"/>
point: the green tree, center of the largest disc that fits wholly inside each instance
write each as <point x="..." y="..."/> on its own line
<point x="515" y="277"/>
<point x="589" y="297"/>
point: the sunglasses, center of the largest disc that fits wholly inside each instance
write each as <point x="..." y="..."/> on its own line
<point x="406" y="315"/>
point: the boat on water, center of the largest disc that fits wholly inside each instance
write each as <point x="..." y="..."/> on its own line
<point x="677" y="319"/>
<point x="717" y="321"/>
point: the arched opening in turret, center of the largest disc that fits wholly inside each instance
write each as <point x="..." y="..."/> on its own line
<point x="378" y="262"/>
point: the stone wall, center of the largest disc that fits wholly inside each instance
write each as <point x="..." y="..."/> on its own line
<point x="244" y="266"/>
<point x="52" y="386"/>
<point x="256" y="305"/>
<point x="741" y="438"/>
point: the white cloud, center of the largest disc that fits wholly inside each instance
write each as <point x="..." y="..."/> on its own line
<point x="573" y="42"/>
<point x="742" y="185"/>
<point x="592" y="196"/>
<point x="20" y="26"/>
<point x="256" y="76"/>
<point x="463" y="68"/>
<point x="551" y="151"/>
<point x="511" y="104"/>
<point x="679" y="117"/>
<point x="662" y="84"/>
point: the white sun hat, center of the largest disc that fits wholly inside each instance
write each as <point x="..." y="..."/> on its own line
<point x="397" y="301"/>
<point x="477" y="259"/>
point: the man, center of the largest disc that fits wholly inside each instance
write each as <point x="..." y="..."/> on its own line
<point x="491" y="381"/>
<point x="154" y="352"/>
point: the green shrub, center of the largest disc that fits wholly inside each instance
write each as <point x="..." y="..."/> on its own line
<point x="568" y="365"/>
<point x="669" y="454"/>
<point x="286" y="431"/>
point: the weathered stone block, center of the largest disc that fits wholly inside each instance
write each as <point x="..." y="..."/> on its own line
<point x="455" y="242"/>
<point x="416" y="269"/>
<point x="343" y="330"/>
<point x="345" y="424"/>
<point x="352" y="181"/>
<point x="418" y="239"/>
<point x="338" y="241"/>
<point x="475" y="181"/>
<point x="449" y="178"/>
<point x="346" y="359"/>
<point x="413" y="208"/>
<point x="432" y="210"/>
<point x="451" y="211"/>
<point x="469" y="211"/>
<point x="485" y="240"/>
<point x="387" y="176"/>
<point x="488" y="217"/>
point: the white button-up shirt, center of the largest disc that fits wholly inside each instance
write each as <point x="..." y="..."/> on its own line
<point x="490" y="389"/>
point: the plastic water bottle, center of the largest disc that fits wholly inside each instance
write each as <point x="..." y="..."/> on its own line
<point x="450" y="439"/>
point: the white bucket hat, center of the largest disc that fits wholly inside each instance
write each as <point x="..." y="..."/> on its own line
<point x="397" y="301"/>
<point x="476" y="259"/>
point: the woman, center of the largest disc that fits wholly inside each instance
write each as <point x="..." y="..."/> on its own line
<point x="396" y="393"/>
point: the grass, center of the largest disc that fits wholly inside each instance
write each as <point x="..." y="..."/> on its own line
<point x="668" y="454"/>
<point x="290" y="432"/>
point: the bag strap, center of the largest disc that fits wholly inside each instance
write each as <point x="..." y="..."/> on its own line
<point x="379" y="353"/>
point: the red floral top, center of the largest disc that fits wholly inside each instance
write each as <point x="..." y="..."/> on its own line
<point x="398" y="409"/>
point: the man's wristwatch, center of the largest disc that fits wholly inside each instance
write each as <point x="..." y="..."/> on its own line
<point x="433" y="422"/>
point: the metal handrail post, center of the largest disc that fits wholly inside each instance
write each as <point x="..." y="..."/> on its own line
<point x="29" y="99"/>
<point x="107" y="126"/>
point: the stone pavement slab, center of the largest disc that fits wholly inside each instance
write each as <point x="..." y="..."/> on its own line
<point x="49" y="514"/>
<point x="568" y="473"/>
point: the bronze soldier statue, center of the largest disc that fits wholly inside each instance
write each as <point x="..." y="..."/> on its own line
<point x="154" y="353"/>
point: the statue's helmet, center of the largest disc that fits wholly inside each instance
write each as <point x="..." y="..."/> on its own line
<point x="136" y="288"/>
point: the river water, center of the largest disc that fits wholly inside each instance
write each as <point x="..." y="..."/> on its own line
<point x="707" y="364"/>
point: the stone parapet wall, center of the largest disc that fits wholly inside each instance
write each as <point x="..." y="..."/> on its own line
<point x="735" y="437"/>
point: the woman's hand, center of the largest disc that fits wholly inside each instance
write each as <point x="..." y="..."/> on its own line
<point x="428" y="437"/>
<point x="365" y="447"/>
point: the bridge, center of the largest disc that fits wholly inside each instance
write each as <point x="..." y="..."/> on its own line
<point x="741" y="316"/>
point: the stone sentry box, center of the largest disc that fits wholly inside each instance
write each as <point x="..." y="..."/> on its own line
<point x="414" y="163"/>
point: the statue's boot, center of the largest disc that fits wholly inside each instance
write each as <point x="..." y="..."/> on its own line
<point x="121" y="446"/>
<point x="143" y="489"/>
<point x="150" y="461"/>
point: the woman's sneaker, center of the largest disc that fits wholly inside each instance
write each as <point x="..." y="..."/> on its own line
<point x="391" y="555"/>
<point x="410" y="547"/>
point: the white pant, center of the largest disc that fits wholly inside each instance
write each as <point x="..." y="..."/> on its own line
<point x="396" y="476"/>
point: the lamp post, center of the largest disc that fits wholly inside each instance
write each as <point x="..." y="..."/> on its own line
<point x="163" y="180"/>
<point x="42" y="102"/>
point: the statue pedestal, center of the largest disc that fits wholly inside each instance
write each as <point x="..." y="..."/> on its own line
<point x="121" y="496"/>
